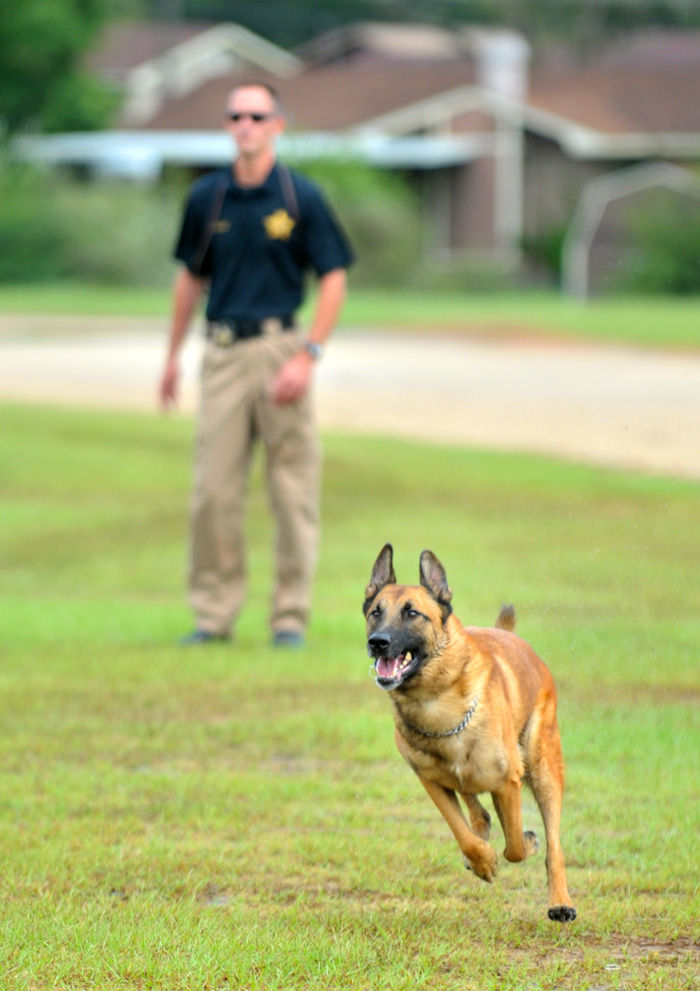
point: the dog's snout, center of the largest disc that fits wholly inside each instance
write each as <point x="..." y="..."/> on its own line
<point x="379" y="642"/>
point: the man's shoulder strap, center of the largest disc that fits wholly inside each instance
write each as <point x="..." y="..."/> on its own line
<point x="291" y="201"/>
<point x="217" y="202"/>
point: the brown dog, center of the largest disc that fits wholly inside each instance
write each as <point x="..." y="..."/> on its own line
<point x="475" y="711"/>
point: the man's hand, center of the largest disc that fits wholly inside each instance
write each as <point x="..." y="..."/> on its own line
<point x="295" y="376"/>
<point x="187" y="291"/>
<point x="169" y="382"/>
<point x="293" y="379"/>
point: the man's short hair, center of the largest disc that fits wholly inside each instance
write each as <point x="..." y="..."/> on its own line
<point x="261" y="84"/>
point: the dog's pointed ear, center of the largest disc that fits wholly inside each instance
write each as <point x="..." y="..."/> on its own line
<point x="382" y="574"/>
<point x="434" y="578"/>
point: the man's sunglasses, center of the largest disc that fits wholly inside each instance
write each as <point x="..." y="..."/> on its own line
<point x="256" y="118"/>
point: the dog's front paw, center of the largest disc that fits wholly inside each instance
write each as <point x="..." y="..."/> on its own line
<point x="562" y="913"/>
<point x="483" y="866"/>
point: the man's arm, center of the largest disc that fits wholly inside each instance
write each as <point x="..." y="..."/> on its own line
<point x="187" y="291"/>
<point x="295" y="376"/>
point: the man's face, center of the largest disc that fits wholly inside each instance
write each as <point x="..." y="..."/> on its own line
<point x="253" y="120"/>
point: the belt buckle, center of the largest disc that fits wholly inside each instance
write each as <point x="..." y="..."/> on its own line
<point x="224" y="336"/>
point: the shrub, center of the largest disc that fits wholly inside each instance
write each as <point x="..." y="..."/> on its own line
<point x="664" y="255"/>
<point x="121" y="233"/>
<point x="543" y="252"/>
<point x="118" y="232"/>
<point x="381" y="215"/>
<point x="52" y="226"/>
<point x="31" y="234"/>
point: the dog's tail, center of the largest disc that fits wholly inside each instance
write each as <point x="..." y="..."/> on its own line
<point x="506" y="618"/>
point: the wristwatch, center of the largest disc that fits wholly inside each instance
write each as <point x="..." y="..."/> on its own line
<point x="314" y="349"/>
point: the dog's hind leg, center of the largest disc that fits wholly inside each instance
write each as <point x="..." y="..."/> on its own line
<point x="479" y="819"/>
<point x="546" y="776"/>
<point x="478" y="855"/>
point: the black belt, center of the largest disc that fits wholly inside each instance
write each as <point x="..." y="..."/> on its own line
<point x="227" y="332"/>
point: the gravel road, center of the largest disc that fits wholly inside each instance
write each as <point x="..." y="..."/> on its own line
<point x="602" y="405"/>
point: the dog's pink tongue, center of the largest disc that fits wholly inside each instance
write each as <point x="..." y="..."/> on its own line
<point x="386" y="668"/>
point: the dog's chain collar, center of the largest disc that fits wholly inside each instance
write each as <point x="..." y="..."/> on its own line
<point x="469" y="715"/>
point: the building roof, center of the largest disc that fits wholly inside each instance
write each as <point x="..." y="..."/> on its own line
<point x="411" y="41"/>
<point x="639" y="92"/>
<point x="124" y="45"/>
<point x="351" y="93"/>
<point x="154" y="62"/>
<point x="647" y="83"/>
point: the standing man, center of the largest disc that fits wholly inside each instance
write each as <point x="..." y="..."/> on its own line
<point x="249" y="234"/>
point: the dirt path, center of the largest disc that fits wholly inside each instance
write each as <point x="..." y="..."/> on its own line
<point x="613" y="406"/>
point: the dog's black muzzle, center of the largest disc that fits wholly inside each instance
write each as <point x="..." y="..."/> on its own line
<point x="395" y="659"/>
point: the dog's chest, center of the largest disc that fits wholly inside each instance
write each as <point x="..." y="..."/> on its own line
<point x="467" y="766"/>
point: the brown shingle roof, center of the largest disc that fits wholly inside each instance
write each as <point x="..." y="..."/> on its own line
<point x="647" y="84"/>
<point x="124" y="45"/>
<point x="329" y="98"/>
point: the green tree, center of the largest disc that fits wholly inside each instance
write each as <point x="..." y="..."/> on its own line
<point x="41" y="85"/>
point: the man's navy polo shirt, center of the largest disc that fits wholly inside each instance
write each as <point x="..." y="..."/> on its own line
<point x="260" y="245"/>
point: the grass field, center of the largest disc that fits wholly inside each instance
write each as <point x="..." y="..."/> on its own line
<point x="669" y="322"/>
<point x="236" y="817"/>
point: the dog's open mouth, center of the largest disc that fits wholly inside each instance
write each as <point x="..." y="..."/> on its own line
<point x="390" y="672"/>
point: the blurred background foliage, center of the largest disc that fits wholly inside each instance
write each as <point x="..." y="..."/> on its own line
<point x="665" y="254"/>
<point x="115" y="233"/>
<point x="292" y="22"/>
<point x="42" y="84"/>
<point x="381" y="215"/>
<point x="53" y="226"/>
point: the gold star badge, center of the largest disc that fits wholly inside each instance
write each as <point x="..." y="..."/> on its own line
<point x="279" y="225"/>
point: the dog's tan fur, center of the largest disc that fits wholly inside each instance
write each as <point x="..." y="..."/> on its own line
<point x="439" y="672"/>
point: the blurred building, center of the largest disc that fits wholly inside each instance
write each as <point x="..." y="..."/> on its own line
<point x="499" y="142"/>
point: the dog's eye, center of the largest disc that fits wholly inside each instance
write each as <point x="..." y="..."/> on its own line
<point x="376" y="612"/>
<point x="412" y="613"/>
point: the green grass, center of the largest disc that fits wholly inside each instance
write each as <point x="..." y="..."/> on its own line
<point x="239" y="818"/>
<point x="669" y="322"/>
<point x="84" y="299"/>
<point x="650" y="322"/>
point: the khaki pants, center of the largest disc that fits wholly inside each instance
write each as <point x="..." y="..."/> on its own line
<point x="236" y="410"/>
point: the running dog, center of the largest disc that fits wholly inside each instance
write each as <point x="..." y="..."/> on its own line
<point x="474" y="711"/>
